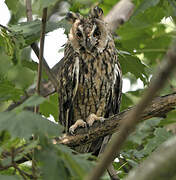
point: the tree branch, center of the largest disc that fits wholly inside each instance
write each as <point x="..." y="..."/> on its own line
<point x="134" y="116"/>
<point x="42" y="39"/>
<point x="28" y="10"/>
<point x="160" y="165"/>
<point x="158" y="108"/>
<point x="35" y="48"/>
<point x="119" y="14"/>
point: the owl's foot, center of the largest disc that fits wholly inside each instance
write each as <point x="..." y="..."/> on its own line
<point x="78" y="123"/>
<point x="92" y="118"/>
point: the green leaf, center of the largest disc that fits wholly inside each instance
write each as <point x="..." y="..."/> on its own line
<point x="12" y="5"/>
<point x="52" y="166"/>
<point x="21" y="76"/>
<point x="12" y="45"/>
<point x="40" y="4"/>
<point x="145" y="5"/>
<point x="25" y="123"/>
<point x="126" y="102"/>
<point x="30" y="31"/>
<point x="50" y="107"/>
<point x="78" y="165"/>
<point x="9" y="92"/>
<point x="31" y="101"/>
<point x="6" y="177"/>
<point x="169" y="119"/>
<point x="133" y="65"/>
<point x="144" y="130"/>
<point x="161" y="135"/>
<point x="47" y="3"/>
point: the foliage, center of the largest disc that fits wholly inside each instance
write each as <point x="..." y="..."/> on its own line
<point x="141" y="43"/>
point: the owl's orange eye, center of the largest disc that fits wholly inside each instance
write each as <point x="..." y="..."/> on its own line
<point x="79" y="34"/>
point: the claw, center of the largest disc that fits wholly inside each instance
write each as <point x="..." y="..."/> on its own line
<point x="102" y="119"/>
<point x="92" y="118"/>
<point x="78" y="123"/>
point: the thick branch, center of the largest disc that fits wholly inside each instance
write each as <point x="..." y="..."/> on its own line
<point x="119" y="14"/>
<point x="160" y="165"/>
<point x="158" y="108"/>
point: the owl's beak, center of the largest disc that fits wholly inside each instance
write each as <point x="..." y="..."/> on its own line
<point x="90" y="43"/>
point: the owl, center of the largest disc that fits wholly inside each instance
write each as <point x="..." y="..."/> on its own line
<point x="90" y="78"/>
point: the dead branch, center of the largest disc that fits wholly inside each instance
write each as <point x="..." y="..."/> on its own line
<point x="159" y="107"/>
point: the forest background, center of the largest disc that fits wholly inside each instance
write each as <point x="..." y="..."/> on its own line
<point x="144" y="34"/>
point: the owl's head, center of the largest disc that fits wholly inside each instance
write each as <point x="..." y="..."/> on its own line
<point x="90" y="33"/>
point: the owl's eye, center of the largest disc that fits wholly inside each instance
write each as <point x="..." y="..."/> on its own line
<point x="79" y="34"/>
<point x="96" y="32"/>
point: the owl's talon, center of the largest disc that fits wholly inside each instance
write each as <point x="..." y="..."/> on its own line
<point x="78" y="123"/>
<point x="102" y="119"/>
<point x="92" y="118"/>
<point x="71" y="130"/>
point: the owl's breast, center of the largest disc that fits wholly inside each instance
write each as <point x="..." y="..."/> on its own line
<point x="95" y="85"/>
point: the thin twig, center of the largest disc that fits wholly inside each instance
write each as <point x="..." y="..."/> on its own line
<point x="42" y="39"/>
<point x="28" y="10"/>
<point x="134" y="116"/>
<point x="15" y="165"/>
<point x="36" y="49"/>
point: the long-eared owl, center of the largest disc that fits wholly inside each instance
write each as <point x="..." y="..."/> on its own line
<point x="90" y="79"/>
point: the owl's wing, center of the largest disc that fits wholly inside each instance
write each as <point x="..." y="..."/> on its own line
<point x="116" y="89"/>
<point x="69" y="78"/>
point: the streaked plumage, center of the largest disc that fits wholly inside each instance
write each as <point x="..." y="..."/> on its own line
<point x="90" y="79"/>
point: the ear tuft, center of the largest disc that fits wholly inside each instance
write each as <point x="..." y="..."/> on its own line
<point x="71" y="17"/>
<point x="97" y="12"/>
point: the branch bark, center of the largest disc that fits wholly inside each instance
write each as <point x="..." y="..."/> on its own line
<point x="159" y="107"/>
<point x="160" y="165"/>
<point x="119" y="14"/>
